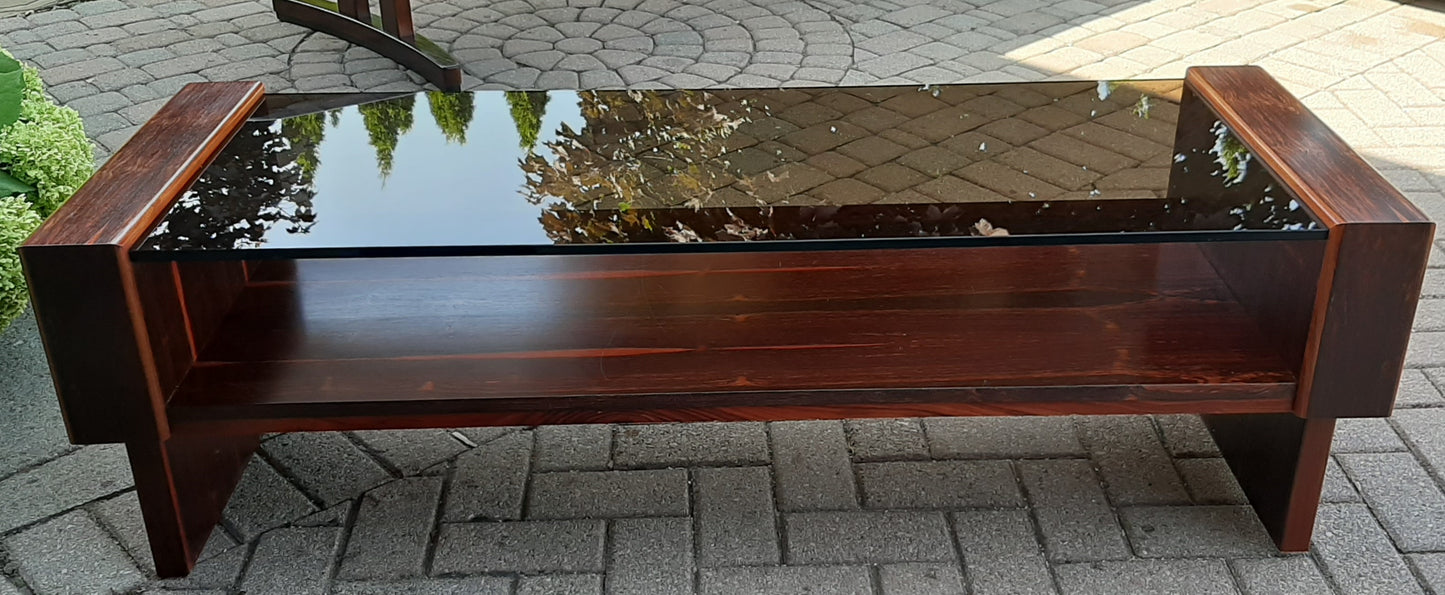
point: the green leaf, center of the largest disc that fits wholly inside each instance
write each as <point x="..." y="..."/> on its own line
<point x="12" y="89"/>
<point x="10" y="186"/>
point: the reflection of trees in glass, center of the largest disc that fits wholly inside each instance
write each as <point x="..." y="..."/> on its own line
<point x="305" y="133"/>
<point x="453" y="114"/>
<point x="260" y="180"/>
<point x="645" y="148"/>
<point x="528" y="107"/>
<point x="385" y="122"/>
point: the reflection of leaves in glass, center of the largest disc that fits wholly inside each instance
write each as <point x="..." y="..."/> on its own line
<point x="1231" y="155"/>
<point x="260" y="180"/>
<point x="528" y="107"/>
<point x="305" y="133"/>
<point x="638" y="149"/>
<point x="385" y="122"/>
<point x="453" y="114"/>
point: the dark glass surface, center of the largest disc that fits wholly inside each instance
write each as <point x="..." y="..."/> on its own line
<point x="580" y="171"/>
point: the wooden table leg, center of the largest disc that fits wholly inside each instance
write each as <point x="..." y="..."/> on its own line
<point x="1279" y="460"/>
<point x="183" y="484"/>
<point x="392" y="35"/>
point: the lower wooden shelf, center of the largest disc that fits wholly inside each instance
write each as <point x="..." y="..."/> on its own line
<point x="349" y="344"/>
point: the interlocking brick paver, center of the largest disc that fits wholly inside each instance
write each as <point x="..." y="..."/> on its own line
<point x="1199" y="577"/>
<point x="785" y="580"/>
<point x="264" y="500"/>
<point x="602" y="494"/>
<point x="1357" y="553"/>
<point x="1132" y="461"/>
<point x="1002" y="437"/>
<point x="1073" y="514"/>
<point x="491" y="480"/>
<point x="327" y="466"/>
<point x="1001" y="553"/>
<point x="866" y="537"/>
<point x="520" y="546"/>
<point x="560" y="584"/>
<point x="917" y="578"/>
<point x="886" y="439"/>
<point x="651" y="556"/>
<point x="71" y="554"/>
<point x="481" y="585"/>
<point x="1195" y="531"/>
<point x="938" y="484"/>
<point x="1210" y="481"/>
<point x="61" y="484"/>
<point x="292" y="560"/>
<point x="1293" y="575"/>
<point x="1407" y="502"/>
<point x="707" y="444"/>
<point x="810" y="461"/>
<point x="393" y="526"/>
<point x="736" y="521"/>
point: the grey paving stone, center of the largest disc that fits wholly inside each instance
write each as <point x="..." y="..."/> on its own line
<point x="811" y="466"/>
<point x="1416" y="389"/>
<point x="1002" y="437"/>
<point x="1001" y="553"/>
<point x="520" y="546"/>
<point x="480" y="585"/>
<point x="1338" y="487"/>
<point x="1186" y="436"/>
<point x="1368" y="434"/>
<point x="1357" y="553"/>
<point x="867" y="537"/>
<point x="264" y="500"/>
<point x="33" y="428"/>
<point x="478" y="436"/>
<point x="64" y="483"/>
<point x="736" y="521"/>
<point x="650" y="556"/>
<point x="938" y="484"/>
<point x="100" y="103"/>
<point x="1405" y="500"/>
<point x="71" y="554"/>
<point x="918" y="578"/>
<point x="77" y="71"/>
<point x="411" y="451"/>
<point x="1134" y="464"/>
<point x="327" y="465"/>
<point x="692" y="444"/>
<point x="607" y="494"/>
<point x="1424" y="431"/>
<point x="1431" y="570"/>
<point x="886" y="439"/>
<point x="586" y="447"/>
<point x="1210" y="481"/>
<point x="393" y="526"/>
<point x="1195" y="531"/>
<point x="785" y="580"/>
<point x="121" y="517"/>
<point x="560" y="584"/>
<point x="293" y="560"/>
<point x="1073" y="515"/>
<point x="491" y="480"/>
<point x="1293" y="575"/>
<point x="1172" y="577"/>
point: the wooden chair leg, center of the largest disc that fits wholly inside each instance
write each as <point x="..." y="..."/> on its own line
<point x="356" y="9"/>
<point x="183" y="484"/>
<point x="1279" y="460"/>
<point x="396" y="19"/>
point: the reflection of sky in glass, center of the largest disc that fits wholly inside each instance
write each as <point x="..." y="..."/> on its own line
<point x="438" y="193"/>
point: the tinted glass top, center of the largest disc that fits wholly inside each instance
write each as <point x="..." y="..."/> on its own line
<point x="581" y="171"/>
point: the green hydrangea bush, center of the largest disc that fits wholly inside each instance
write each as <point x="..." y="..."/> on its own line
<point x="44" y="158"/>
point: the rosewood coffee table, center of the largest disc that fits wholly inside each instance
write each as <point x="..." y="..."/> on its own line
<point x="251" y="264"/>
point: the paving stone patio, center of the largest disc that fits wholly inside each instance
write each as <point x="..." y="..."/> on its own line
<point x="1056" y="505"/>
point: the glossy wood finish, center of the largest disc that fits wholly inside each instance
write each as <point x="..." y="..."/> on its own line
<point x="121" y="335"/>
<point x="1279" y="460"/>
<point x="392" y="35"/>
<point x="187" y="362"/>
<point x="1379" y="243"/>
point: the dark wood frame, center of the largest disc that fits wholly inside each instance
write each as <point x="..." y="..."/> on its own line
<point x="391" y="35"/>
<point x="140" y="351"/>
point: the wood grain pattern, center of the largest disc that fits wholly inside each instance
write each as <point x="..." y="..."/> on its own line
<point x="594" y="338"/>
<point x="183" y="484"/>
<point x="1314" y="162"/>
<point x="138" y="184"/>
<point x="1374" y="261"/>
<point x="1280" y="462"/>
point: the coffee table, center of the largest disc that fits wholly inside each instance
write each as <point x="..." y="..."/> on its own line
<point x="251" y="264"/>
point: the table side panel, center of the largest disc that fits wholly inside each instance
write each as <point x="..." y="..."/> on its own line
<point x="1374" y="263"/>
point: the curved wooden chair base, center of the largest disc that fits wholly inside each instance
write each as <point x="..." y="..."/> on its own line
<point x="420" y="55"/>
